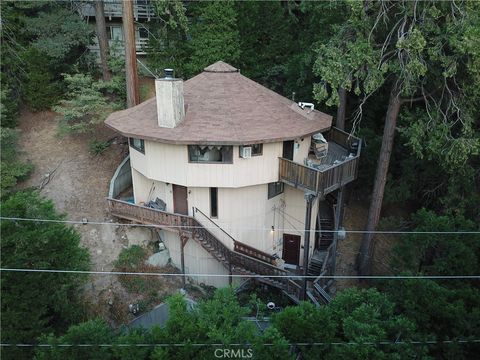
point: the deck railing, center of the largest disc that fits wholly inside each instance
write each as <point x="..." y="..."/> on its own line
<point x="114" y="8"/>
<point x="325" y="181"/>
<point x="150" y="216"/>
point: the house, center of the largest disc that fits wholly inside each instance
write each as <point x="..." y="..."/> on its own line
<point x="233" y="173"/>
<point x="143" y="12"/>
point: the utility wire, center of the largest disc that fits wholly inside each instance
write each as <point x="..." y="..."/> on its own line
<point x="87" y="222"/>
<point x="338" y="343"/>
<point x="378" y="277"/>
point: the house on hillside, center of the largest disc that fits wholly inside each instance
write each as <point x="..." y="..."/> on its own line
<point x="143" y="12"/>
<point x="235" y="175"/>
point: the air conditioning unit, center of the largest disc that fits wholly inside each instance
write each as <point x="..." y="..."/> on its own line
<point x="246" y="152"/>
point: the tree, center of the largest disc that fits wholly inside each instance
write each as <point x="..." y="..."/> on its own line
<point x="90" y="332"/>
<point x="11" y="169"/>
<point x="413" y="51"/>
<point x="35" y="303"/>
<point x="101" y="30"/>
<point x="86" y="104"/>
<point x="214" y="35"/>
<point x="265" y="46"/>
<point x="167" y="45"/>
<point x="360" y="317"/>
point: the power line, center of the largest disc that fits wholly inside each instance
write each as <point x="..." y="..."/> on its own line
<point x="373" y="277"/>
<point x="337" y="343"/>
<point x="87" y="222"/>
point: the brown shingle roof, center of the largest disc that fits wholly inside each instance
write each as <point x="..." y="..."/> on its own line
<point x="223" y="107"/>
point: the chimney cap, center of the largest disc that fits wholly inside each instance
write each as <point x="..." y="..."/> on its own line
<point x="168" y="73"/>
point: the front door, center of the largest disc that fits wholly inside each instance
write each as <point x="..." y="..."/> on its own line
<point x="291" y="249"/>
<point x="288" y="150"/>
<point x="180" y="204"/>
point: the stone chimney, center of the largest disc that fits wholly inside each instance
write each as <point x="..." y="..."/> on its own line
<point x="170" y="106"/>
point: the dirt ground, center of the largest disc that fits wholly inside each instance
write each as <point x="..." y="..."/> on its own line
<point x="79" y="181"/>
<point x="78" y="186"/>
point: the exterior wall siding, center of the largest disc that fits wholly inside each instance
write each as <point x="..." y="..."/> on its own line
<point x="169" y="163"/>
<point x="197" y="260"/>
<point x="244" y="213"/>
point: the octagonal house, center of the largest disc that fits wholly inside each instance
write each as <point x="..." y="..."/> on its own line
<point x="235" y="175"/>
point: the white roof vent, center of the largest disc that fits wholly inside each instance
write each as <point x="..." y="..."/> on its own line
<point x="303" y="105"/>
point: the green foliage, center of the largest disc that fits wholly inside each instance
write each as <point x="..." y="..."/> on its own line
<point x="356" y="316"/>
<point x="40" y="41"/>
<point x="441" y="313"/>
<point x="97" y="147"/>
<point x="214" y="35"/>
<point x="11" y="169"/>
<point x="133" y="336"/>
<point x="59" y="34"/>
<point x="131" y="257"/>
<point x="85" y="105"/>
<point x="35" y="303"/>
<point x="8" y="107"/>
<point x="41" y="89"/>
<point x="90" y="332"/>
<point x="434" y="254"/>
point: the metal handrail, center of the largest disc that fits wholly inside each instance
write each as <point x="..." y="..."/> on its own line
<point x="195" y="210"/>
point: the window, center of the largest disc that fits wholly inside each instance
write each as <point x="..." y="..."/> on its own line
<point x="257" y="149"/>
<point x="274" y="189"/>
<point x="213" y="202"/>
<point x="137" y="144"/>
<point x="143" y="33"/>
<point x="210" y="153"/>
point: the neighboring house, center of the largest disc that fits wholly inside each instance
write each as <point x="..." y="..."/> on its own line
<point x="231" y="163"/>
<point x="143" y="12"/>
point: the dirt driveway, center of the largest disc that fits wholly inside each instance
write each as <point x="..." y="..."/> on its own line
<point x="79" y="180"/>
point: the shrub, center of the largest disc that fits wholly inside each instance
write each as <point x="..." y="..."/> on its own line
<point x="97" y="147"/>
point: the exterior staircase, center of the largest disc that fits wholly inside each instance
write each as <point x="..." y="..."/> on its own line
<point x="243" y="260"/>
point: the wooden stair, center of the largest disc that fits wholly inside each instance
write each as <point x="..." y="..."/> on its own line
<point x="236" y="262"/>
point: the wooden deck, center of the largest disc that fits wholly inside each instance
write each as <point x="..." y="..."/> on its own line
<point x="337" y="169"/>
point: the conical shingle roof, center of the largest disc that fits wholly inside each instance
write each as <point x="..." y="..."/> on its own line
<point x="223" y="107"/>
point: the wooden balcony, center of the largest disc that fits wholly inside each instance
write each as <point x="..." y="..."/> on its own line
<point x="332" y="176"/>
<point x="142" y="9"/>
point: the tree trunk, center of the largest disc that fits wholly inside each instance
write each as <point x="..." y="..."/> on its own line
<point x="130" y="54"/>
<point x="342" y="95"/>
<point x="102" y="38"/>
<point x="366" y="248"/>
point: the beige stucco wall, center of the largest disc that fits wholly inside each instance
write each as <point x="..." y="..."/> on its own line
<point x="169" y="163"/>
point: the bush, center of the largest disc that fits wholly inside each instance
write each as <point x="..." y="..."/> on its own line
<point x="131" y="257"/>
<point x="97" y="147"/>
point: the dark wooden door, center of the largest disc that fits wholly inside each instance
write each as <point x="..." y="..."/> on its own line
<point x="288" y="149"/>
<point x="180" y="204"/>
<point x="291" y="249"/>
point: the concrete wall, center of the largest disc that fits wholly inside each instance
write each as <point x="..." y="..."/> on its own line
<point x="197" y="260"/>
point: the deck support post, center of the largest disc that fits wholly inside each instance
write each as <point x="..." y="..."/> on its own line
<point x="184" y="240"/>
<point x="337" y="223"/>
<point x="309" y="198"/>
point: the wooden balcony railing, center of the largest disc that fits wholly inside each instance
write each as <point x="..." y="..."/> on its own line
<point x="142" y="9"/>
<point x="147" y="215"/>
<point x="325" y="181"/>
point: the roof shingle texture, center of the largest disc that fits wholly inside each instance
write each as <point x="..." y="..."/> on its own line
<point x="223" y="107"/>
